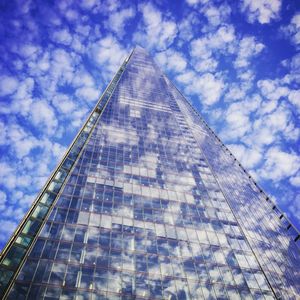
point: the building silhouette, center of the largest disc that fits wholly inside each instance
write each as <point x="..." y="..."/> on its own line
<point x="148" y="203"/>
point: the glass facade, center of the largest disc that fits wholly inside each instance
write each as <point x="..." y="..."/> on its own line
<point x="151" y="206"/>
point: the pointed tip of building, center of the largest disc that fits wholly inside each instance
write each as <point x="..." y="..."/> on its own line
<point x="140" y="48"/>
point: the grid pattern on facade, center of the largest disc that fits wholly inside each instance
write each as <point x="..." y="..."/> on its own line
<point x="271" y="236"/>
<point x="146" y="212"/>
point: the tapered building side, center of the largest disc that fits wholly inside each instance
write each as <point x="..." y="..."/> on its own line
<point x="148" y="203"/>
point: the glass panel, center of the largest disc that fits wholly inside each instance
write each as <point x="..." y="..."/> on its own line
<point x="40" y="211"/>
<point x="54" y="186"/>
<point x="31" y="227"/>
<point x="13" y="257"/>
<point x="24" y="240"/>
<point x="48" y="198"/>
<point x="67" y="164"/>
<point x="5" y="277"/>
<point x="60" y="175"/>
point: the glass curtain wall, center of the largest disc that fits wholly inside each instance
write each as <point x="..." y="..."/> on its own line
<point x="155" y="207"/>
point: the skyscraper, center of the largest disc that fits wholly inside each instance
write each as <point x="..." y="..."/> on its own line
<point x="148" y="203"/>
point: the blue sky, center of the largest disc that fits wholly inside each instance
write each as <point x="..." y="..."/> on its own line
<point x="236" y="61"/>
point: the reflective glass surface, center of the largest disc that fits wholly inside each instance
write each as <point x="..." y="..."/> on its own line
<point x="155" y="207"/>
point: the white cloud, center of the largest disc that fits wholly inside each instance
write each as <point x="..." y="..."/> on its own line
<point x="295" y="181"/>
<point x="62" y="69"/>
<point x="18" y="64"/>
<point x="295" y="63"/>
<point x="109" y="54"/>
<point x="294" y="97"/>
<point x="248" y="48"/>
<point x="293" y="76"/>
<point x="23" y="146"/>
<point x="186" y="27"/>
<point x="64" y="104"/>
<point x="262" y="11"/>
<point x="117" y="20"/>
<point x="83" y="30"/>
<point x="57" y="150"/>
<point x="276" y="117"/>
<point x="171" y="60"/>
<point x="261" y="137"/>
<point x="87" y="93"/>
<point x="246" y="75"/>
<point x="202" y="49"/>
<point x="267" y="86"/>
<point x="208" y="87"/>
<point x="62" y="36"/>
<point x="85" y="86"/>
<point x="78" y="44"/>
<point x="24" y="181"/>
<point x="186" y="78"/>
<point x="20" y="141"/>
<point x="237" y="117"/>
<point x="9" y="180"/>
<point x="272" y="89"/>
<point x="22" y="99"/>
<point x="101" y="7"/>
<point x="71" y="14"/>
<point x="8" y="85"/>
<point x="42" y="114"/>
<point x="238" y="123"/>
<point x="43" y="63"/>
<point x="272" y="126"/>
<point x="28" y="50"/>
<point x="2" y="200"/>
<point x="79" y="117"/>
<point x="158" y="32"/>
<point x="218" y="40"/>
<point x="225" y="34"/>
<point x="216" y="15"/>
<point x="88" y="4"/>
<point x="236" y="92"/>
<point x="195" y="2"/>
<point x="82" y="78"/>
<point x="3" y="132"/>
<point x="292" y="31"/>
<point x="215" y="114"/>
<point x="206" y="65"/>
<point x="21" y="106"/>
<point x="279" y="164"/>
<point x="6" y="229"/>
<point x="249" y="157"/>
